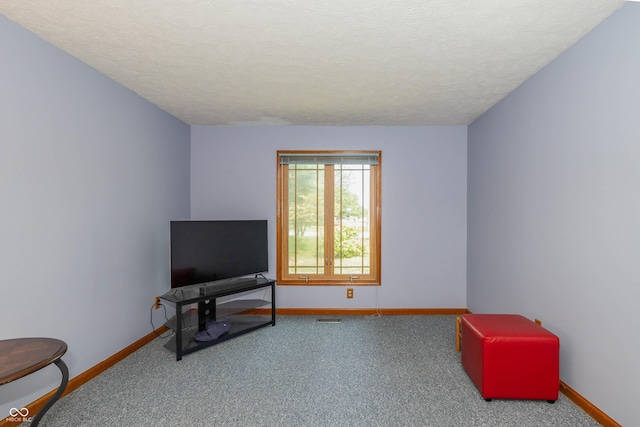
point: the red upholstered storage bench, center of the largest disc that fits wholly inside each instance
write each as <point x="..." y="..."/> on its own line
<point x="507" y="356"/>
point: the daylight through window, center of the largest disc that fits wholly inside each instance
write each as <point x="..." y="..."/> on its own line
<point x="328" y="217"/>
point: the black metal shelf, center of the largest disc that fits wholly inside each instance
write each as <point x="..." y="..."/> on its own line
<point x="239" y="312"/>
<point x="239" y="326"/>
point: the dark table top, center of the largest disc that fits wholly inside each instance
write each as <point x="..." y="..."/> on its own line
<point x="22" y="356"/>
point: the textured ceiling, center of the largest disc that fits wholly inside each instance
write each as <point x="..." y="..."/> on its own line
<point x="322" y="62"/>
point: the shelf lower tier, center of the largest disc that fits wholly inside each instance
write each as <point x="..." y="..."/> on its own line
<point x="239" y="325"/>
<point x="223" y="310"/>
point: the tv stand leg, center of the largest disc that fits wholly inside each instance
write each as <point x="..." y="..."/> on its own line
<point x="202" y="315"/>
<point x="212" y="309"/>
<point x="203" y="307"/>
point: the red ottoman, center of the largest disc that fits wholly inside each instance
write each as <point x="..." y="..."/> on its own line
<point x="507" y="356"/>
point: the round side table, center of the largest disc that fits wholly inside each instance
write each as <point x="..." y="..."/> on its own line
<point x="20" y="357"/>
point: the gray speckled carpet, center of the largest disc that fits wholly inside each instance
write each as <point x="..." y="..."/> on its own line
<point x="364" y="371"/>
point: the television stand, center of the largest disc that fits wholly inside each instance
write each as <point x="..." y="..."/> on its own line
<point x="239" y="312"/>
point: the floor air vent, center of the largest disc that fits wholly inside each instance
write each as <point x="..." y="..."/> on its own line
<point x="329" y="321"/>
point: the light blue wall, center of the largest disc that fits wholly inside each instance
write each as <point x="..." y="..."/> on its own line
<point x="423" y="204"/>
<point x="90" y="175"/>
<point x="554" y="210"/>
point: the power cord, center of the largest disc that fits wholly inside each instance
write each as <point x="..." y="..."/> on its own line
<point x="378" y="312"/>
<point x="153" y="328"/>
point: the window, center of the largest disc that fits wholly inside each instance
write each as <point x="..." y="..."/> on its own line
<point x="328" y="230"/>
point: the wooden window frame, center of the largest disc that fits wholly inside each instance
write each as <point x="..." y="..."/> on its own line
<point x="282" y="240"/>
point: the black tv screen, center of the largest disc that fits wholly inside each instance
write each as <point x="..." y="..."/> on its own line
<point x="204" y="251"/>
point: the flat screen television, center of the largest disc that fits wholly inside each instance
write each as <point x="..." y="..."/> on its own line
<point x="205" y="251"/>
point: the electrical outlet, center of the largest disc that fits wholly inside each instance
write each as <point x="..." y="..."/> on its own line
<point x="349" y="292"/>
<point x="157" y="303"/>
